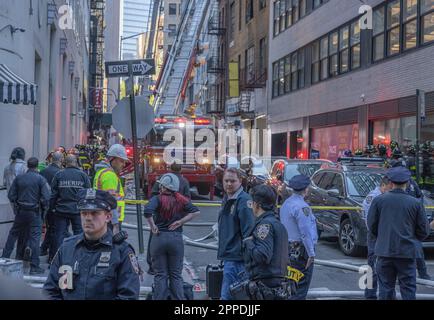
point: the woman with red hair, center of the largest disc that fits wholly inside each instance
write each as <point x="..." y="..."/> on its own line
<point x="166" y="213"/>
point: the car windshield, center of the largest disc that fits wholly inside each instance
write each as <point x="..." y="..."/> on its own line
<point x="295" y="169"/>
<point x="361" y="183"/>
<point x="259" y="170"/>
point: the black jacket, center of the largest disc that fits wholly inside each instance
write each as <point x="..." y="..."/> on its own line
<point x="30" y="191"/>
<point x="235" y="222"/>
<point x="49" y="172"/>
<point x="399" y="223"/>
<point x="65" y="186"/>
<point x="266" y="251"/>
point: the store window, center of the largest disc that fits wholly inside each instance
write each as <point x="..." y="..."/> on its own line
<point x="402" y="130"/>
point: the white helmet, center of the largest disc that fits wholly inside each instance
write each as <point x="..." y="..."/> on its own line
<point x="169" y="181"/>
<point x="118" y="151"/>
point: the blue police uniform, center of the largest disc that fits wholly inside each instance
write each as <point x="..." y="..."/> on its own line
<point x="104" y="269"/>
<point x="235" y="223"/>
<point x="398" y="222"/>
<point x="371" y="293"/>
<point x="300" y="223"/>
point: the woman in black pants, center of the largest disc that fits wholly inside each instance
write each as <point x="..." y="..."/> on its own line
<point x="166" y="213"/>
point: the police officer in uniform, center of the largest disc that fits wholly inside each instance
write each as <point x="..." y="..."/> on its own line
<point x="299" y="221"/>
<point x="95" y="265"/>
<point x="398" y="222"/>
<point x="385" y="185"/>
<point x="265" y="251"/>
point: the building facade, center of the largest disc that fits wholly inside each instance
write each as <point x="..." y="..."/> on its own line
<point x="336" y="86"/>
<point x="172" y="18"/>
<point x="39" y="44"/>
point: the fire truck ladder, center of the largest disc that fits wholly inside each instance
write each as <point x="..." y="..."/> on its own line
<point x="177" y="65"/>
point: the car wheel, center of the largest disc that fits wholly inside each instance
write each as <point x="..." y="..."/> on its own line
<point x="347" y="240"/>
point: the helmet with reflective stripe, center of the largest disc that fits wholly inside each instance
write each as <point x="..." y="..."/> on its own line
<point x="169" y="181"/>
<point x="118" y="151"/>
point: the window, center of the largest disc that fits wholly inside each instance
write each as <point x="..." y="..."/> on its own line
<point x="317" y="178"/>
<point x="344" y="43"/>
<point x="294" y="71"/>
<point x="324" y="58"/>
<point x="355" y="45"/>
<point x="232" y="26"/>
<point x="300" y="57"/>
<point x="240" y="14"/>
<point x="282" y="14"/>
<point x="250" y="64"/>
<point x="249" y="10"/>
<point x="427" y="20"/>
<point x="316" y="3"/>
<point x="338" y="184"/>
<point x="326" y="181"/>
<point x="294" y="11"/>
<point x="288" y="14"/>
<point x="410" y="23"/>
<point x="333" y="53"/>
<point x="276" y="17"/>
<point x="172" y="30"/>
<point x="315" y="62"/>
<point x="262" y="55"/>
<point x="302" y="5"/>
<point x="287" y="74"/>
<point x="393" y="27"/>
<point x="262" y="4"/>
<point x="378" y="34"/>
<point x="172" y="9"/>
<point x="275" y="79"/>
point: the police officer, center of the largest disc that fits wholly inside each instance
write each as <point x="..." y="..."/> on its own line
<point x="385" y="185"/>
<point x="398" y="222"/>
<point x="30" y="194"/>
<point x="49" y="173"/>
<point x="95" y="265"/>
<point x="299" y="221"/>
<point x="65" y="187"/>
<point x="235" y="223"/>
<point x="266" y="249"/>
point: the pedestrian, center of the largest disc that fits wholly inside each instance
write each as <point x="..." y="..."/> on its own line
<point x="300" y="223"/>
<point x="65" y="187"/>
<point x="235" y="223"/>
<point x="399" y="223"/>
<point x="265" y="250"/>
<point x="49" y="173"/>
<point x="184" y="189"/>
<point x="171" y="211"/>
<point x="30" y="194"/>
<point x="16" y="167"/>
<point x="385" y="186"/>
<point x="107" y="179"/>
<point x="94" y="265"/>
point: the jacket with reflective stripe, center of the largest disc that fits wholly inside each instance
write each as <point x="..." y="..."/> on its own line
<point x="107" y="180"/>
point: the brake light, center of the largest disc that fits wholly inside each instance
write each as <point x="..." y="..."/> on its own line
<point x="202" y="121"/>
<point x="180" y="120"/>
<point x="129" y="151"/>
<point x="160" y="120"/>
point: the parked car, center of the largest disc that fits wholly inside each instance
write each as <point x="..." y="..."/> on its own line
<point x="347" y="185"/>
<point x="284" y="169"/>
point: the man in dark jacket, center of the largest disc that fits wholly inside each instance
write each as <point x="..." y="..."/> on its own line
<point x="235" y="223"/>
<point x="65" y="187"/>
<point x="266" y="249"/>
<point x="49" y="173"/>
<point x="398" y="222"/>
<point x="30" y="194"/>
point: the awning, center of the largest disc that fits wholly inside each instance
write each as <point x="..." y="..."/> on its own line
<point x="13" y="89"/>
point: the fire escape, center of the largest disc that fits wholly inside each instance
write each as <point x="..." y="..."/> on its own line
<point x="215" y="64"/>
<point x="96" y="63"/>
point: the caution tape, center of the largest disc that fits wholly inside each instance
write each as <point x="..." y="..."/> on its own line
<point x="197" y="204"/>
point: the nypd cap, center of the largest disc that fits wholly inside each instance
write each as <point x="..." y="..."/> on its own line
<point x="299" y="183"/>
<point x="90" y="199"/>
<point x="398" y="175"/>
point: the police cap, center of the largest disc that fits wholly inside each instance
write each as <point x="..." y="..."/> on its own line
<point x="398" y="175"/>
<point x="299" y="183"/>
<point x="90" y="199"/>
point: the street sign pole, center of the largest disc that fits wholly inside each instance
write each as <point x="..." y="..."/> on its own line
<point x="136" y="159"/>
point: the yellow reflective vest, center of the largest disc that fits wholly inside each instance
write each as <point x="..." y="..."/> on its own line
<point x="106" y="179"/>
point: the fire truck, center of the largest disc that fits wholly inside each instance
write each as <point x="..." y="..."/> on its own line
<point x="200" y="173"/>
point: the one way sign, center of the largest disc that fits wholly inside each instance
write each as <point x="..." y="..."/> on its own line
<point x="122" y="68"/>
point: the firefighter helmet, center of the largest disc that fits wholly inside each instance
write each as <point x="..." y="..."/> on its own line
<point x="358" y="152"/>
<point x="382" y="149"/>
<point x="411" y="149"/>
<point x="393" y="145"/>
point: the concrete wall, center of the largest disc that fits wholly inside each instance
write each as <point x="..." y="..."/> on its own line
<point x="36" y="58"/>
<point x="394" y="77"/>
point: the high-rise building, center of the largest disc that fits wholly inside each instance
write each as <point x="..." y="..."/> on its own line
<point x="136" y="17"/>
